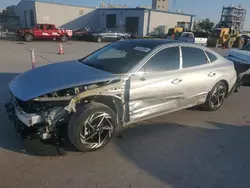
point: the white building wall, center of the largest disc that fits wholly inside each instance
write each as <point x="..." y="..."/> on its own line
<point x="121" y="18"/>
<point x="66" y="16"/>
<point x="146" y="21"/>
<point x="166" y="19"/>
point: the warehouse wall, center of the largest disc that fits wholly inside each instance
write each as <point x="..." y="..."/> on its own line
<point x="165" y="19"/>
<point x="66" y="16"/>
<point x="121" y="15"/>
<point x="146" y="21"/>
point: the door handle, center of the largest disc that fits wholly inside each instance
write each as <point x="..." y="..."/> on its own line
<point x="211" y="74"/>
<point x="177" y="81"/>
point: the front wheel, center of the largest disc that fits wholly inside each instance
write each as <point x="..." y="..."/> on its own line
<point x="216" y="97"/>
<point x="92" y="126"/>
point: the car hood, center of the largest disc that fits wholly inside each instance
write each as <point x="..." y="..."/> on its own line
<point x="239" y="55"/>
<point x="55" y="77"/>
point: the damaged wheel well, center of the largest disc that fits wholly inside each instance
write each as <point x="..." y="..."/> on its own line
<point x="114" y="103"/>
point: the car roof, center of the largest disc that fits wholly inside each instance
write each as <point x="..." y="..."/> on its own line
<point x="152" y="43"/>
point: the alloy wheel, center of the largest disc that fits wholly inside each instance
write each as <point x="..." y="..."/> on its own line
<point x="97" y="130"/>
<point x="218" y="96"/>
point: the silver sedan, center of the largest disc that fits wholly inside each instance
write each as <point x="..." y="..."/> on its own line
<point x="122" y="83"/>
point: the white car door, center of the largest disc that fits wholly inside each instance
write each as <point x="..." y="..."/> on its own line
<point x="156" y="88"/>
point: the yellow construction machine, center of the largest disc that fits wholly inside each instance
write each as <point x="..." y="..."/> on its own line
<point x="175" y="30"/>
<point x="224" y="37"/>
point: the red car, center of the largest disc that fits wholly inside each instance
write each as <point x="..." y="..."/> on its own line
<point x="44" y="31"/>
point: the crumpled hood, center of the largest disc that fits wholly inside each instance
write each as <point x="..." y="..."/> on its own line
<point x="54" y="77"/>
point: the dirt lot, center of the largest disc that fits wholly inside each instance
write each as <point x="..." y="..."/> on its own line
<point x="186" y="149"/>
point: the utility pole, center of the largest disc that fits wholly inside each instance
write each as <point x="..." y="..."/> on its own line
<point x="102" y="4"/>
<point x="174" y="5"/>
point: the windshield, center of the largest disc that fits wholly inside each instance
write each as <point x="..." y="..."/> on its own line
<point x="117" y="58"/>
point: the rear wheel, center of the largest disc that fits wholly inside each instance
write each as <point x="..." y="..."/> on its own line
<point x="99" y="39"/>
<point x="28" y="37"/>
<point x="239" y="43"/>
<point x="216" y="97"/>
<point x="92" y="126"/>
<point x="230" y="42"/>
<point x="64" y="38"/>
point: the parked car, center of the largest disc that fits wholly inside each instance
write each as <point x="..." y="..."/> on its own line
<point x="122" y="83"/>
<point x="107" y="34"/>
<point x="186" y="37"/>
<point x="44" y="31"/>
<point x="198" y="37"/>
<point x="241" y="58"/>
<point x="81" y="33"/>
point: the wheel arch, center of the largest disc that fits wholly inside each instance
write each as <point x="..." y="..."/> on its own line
<point x="227" y="85"/>
<point x="115" y="103"/>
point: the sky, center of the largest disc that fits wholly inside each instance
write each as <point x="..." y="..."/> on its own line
<point x="201" y="8"/>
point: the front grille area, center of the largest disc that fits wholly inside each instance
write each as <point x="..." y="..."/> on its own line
<point x="38" y="106"/>
<point x="29" y="106"/>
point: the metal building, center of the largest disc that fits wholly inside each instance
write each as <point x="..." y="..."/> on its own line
<point x="31" y="12"/>
<point x="140" y="21"/>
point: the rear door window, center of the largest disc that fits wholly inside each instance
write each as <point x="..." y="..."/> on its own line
<point x="193" y="57"/>
<point x="211" y="56"/>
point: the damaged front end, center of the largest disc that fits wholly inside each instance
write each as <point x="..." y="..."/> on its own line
<point x="34" y="118"/>
<point x="45" y="116"/>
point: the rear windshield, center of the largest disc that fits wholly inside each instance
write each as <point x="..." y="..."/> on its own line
<point x="200" y="35"/>
<point x="117" y="58"/>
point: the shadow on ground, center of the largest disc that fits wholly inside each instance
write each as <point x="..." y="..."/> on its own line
<point x="185" y="156"/>
<point x="9" y="140"/>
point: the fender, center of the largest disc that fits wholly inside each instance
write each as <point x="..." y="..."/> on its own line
<point x="113" y="90"/>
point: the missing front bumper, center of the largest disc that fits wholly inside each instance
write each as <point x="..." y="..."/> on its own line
<point x="22" y="129"/>
<point x="14" y="112"/>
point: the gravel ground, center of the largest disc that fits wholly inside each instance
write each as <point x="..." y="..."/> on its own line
<point x="186" y="149"/>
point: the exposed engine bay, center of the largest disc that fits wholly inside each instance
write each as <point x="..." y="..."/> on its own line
<point x="45" y="115"/>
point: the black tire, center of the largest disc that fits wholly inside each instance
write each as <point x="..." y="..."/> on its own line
<point x="122" y="38"/>
<point x="28" y="37"/>
<point x="78" y="122"/>
<point x="230" y="42"/>
<point x="209" y="105"/>
<point x="64" y="38"/>
<point x="239" y="43"/>
<point x="99" y="39"/>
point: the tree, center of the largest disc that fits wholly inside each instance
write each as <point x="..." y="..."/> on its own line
<point x="206" y="24"/>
